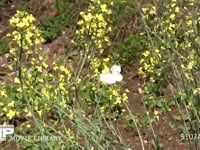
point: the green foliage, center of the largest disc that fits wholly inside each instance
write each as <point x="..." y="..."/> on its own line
<point x="67" y="16"/>
<point x="172" y="54"/>
<point x="92" y="37"/>
<point x="54" y="26"/>
<point x="122" y="11"/>
<point x="50" y="99"/>
<point x="3" y="46"/>
<point x="129" y="51"/>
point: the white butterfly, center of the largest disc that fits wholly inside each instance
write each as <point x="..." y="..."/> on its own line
<point x="113" y="76"/>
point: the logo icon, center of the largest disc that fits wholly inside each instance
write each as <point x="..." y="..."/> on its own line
<point x="5" y="130"/>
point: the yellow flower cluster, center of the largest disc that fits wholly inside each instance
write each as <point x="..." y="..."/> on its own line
<point x="177" y="38"/>
<point x="172" y="51"/>
<point x="112" y="96"/>
<point x="10" y="110"/>
<point x="42" y="89"/>
<point x="113" y="101"/>
<point x="94" y="26"/>
<point x="97" y="65"/>
<point x="40" y="86"/>
<point x="7" y="104"/>
<point x="186" y="48"/>
<point x="25" y="33"/>
<point x="149" y="64"/>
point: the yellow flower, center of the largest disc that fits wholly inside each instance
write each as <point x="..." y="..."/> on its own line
<point x="16" y="80"/>
<point x="146" y="53"/>
<point x="39" y="68"/>
<point x="80" y="22"/>
<point x="177" y="9"/>
<point x="156" y="113"/>
<point x="190" y="103"/>
<point x="196" y="91"/>
<point x="125" y="97"/>
<point x="103" y="7"/>
<point x="39" y="112"/>
<point x="11" y="104"/>
<point x="10" y="114"/>
<point x="3" y="93"/>
<point x="88" y="17"/>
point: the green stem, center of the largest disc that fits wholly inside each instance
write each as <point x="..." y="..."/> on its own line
<point x="137" y="128"/>
<point x="24" y="96"/>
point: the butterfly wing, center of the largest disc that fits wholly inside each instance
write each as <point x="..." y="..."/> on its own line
<point x="115" y="69"/>
<point x="107" y="78"/>
<point x="117" y="77"/>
